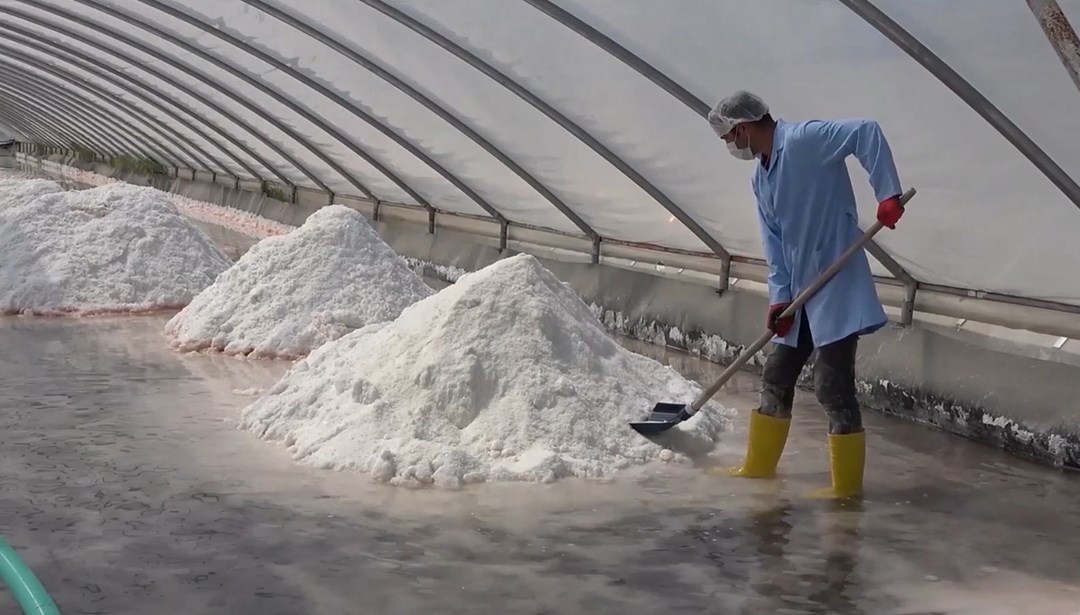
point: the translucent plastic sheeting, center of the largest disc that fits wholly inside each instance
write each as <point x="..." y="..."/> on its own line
<point x="412" y="171"/>
<point x="153" y="124"/>
<point x="136" y="70"/>
<point x="605" y="198"/>
<point x="985" y="218"/>
<point x="457" y="153"/>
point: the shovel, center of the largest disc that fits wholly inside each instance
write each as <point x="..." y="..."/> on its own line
<point x="666" y="415"/>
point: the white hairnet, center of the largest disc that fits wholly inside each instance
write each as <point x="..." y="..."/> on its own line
<point x="742" y="106"/>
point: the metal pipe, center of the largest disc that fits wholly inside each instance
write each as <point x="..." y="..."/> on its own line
<point x="907" y="311"/>
<point x="342" y="102"/>
<point x="952" y="80"/>
<point x="299" y="23"/>
<point x="254" y="82"/>
<point x="130" y="60"/>
<point x="695" y="104"/>
<point x="1061" y="35"/>
<point x="176" y="140"/>
<point x="549" y="111"/>
<point x="117" y="35"/>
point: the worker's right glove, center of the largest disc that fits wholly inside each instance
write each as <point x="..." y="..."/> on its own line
<point x="889" y="211"/>
<point x="779" y="326"/>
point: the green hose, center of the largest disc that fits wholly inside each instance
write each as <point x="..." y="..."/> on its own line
<point x="28" y="592"/>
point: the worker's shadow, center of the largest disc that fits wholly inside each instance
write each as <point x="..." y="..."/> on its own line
<point x="804" y="558"/>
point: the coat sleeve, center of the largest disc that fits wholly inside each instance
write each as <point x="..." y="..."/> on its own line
<point x="836" y="140"/>
<point x="779" y="277"/>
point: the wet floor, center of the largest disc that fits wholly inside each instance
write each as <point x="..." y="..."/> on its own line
<point x="126" y="486"/>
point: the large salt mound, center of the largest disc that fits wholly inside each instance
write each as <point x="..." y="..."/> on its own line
<point x="292" y="293"/>
<point x="115" y="248"/>
<point x="505" y="375"/>
<point x="16" y="192"/>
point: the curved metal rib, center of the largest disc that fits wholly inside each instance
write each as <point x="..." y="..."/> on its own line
<point x="117" y="35"/>
<point x="979" y="103"/>
<point x="132" y="61"/>
<point x="244" y="76"/>
<point x="23" y="126"/>
<point x="78" y="105"/>
<point x="33" y="122"/>
<point x="549" y="111"/>
<point x="37" y="90"/>
<point x="341" y="102"/>
<point x="99" y="69"/>
<point x="46" y="128"/>
<point x="300" y="24"/>
<point x="176" y="139"/>
<point x="684" y="96"/>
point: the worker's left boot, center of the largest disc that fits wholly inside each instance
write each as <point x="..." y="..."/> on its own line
<point x="764" y="445"/>
<point x="847" y="459"/>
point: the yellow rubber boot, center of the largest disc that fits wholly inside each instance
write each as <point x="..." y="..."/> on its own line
<point x="847" y="459"/>
<point x="764" y="445"/>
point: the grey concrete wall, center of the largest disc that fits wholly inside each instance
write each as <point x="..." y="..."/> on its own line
<point x="1008" y="394"/>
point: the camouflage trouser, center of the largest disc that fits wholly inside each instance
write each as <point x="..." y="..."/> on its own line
<point x="834" y="379"/>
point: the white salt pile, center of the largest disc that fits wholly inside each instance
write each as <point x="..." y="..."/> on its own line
<point x="292" y="293"/>
<point x="15" y="192"/>
<point x="115" y="248"/>
<point x="505" y="375"/>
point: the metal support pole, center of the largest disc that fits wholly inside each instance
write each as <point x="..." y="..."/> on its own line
<point x="725" y="277"/>
<point x="292" y="195"/>
<point x="907" y="314"/>
<point x="375" y="210"/>
<point x="1061" y="35"/>
<point x="959" y="86"/>
<point x="596" y="250"/>
<point x="431" y="222"/>
<point x="504" y="236"/>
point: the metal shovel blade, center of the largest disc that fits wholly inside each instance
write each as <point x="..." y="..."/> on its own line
<point x="663" y="417"/>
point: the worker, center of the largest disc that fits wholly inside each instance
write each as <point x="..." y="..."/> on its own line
<point x="807" y="217"/>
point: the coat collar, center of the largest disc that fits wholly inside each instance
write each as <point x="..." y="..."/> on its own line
<point x="779" y="139"/>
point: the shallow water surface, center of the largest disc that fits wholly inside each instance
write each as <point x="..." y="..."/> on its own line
<point x="127" y="488"/>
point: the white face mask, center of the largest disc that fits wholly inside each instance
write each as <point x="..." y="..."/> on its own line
<point x="742" y="153"/>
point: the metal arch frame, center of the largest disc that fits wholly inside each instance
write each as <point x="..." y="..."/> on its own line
<point x="99" y="69"/>
<point x="120" y="128"/>
<point x="130" y="60"/>
<point x="20" y="125"/>
<point x="357" y="57"/>
<point x="252" y="81"/>
<point x="967" y="92"/>
<point x="32" y="87"/>
<point x="59" y="132"/>
<point x="683" y="95"/>
<point x="107" y="122"/>
<point x="176" y="139"/>
<point x="563" y="121"/>
<point x="115" y="35"/>
<point x="34" y="125"/>
<point x="345" y="104"/>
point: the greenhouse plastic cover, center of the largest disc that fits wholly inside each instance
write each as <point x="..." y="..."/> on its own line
<point x="985" y="217"/>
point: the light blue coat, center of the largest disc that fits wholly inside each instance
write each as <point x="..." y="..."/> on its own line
<point x="806" y="209"/>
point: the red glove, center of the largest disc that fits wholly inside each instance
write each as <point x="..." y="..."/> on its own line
<point x="889" y="211"/>
<point x="779" y="326"/>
